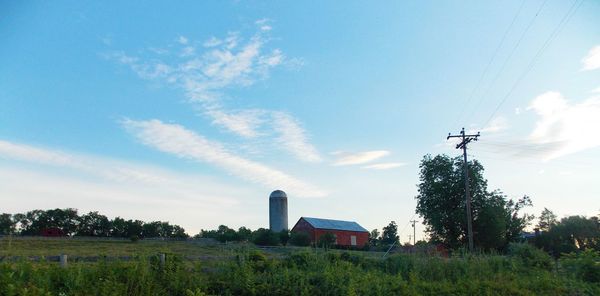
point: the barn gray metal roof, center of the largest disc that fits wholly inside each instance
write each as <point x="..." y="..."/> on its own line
<point x="334" y="224"/>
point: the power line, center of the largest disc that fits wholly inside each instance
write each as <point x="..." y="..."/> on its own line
<point x="487" y="67"/>
<point x="546" y="44"/>
<point x="505" y="63"/>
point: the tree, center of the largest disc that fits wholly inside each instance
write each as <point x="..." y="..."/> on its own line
<point x="265" y="237"/>
<point x="7" y="224"/>
<point x="390" y="234"/>
<point x="441" y="203"/>
<point x="571" y="234"/>
<point x="284" y="236"/>
<point x="374" y="238"/>
<point x="244" y="234"/>
<point x="547" y="220"/>
<point x="300" y="239"/>
<point x="93" y="224"/>
<point x="327" y="240"/>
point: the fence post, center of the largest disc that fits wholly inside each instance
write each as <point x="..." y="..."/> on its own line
<point x="63" y="260"/>
<point x="163" y="259"/>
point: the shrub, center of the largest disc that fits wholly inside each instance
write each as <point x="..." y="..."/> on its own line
<point x="584" y="265"/>
<point x="327" y="240"/>
<point x="265" y="237"/>
<point x="301" y="239"/>
<point x="530" y="256"/>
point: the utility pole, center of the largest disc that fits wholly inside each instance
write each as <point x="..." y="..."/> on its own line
<point x="466" y="139"/>
<point x="414" y="232"/>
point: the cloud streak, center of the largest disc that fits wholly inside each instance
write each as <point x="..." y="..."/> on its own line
<point x="358" y="158"/>
<point x="115" y="175"/>
<point x="592" y="60"/>
<point x="225" y="64"/>
<point x="175" y="139"/>
<point x="384" y="166"/>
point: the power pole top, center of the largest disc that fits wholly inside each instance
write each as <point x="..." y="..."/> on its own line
<point x="466" y="139"/>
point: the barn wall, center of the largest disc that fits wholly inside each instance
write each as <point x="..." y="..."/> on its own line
<point x="343" y="237"/>
<point x="303" y="226"/>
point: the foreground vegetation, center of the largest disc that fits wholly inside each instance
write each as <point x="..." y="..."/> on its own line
<point x="525" y="271"/>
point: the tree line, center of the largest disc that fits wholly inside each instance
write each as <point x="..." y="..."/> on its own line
<point x="69" y="223"/>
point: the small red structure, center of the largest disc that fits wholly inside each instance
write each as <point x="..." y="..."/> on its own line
<point x="52" y="231"/>
<point x="347" y="233"/>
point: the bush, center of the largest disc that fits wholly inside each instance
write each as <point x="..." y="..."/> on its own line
<point x="300" y="239"/>
<point x="327" y="240"/>
<point x="265" y="237"/>
<point x="530" y="256"/>
<point x="584" y="265"/>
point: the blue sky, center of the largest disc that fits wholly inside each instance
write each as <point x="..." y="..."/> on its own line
<point x="194" y="112"/>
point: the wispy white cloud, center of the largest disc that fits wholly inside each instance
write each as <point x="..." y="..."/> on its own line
<point x="227" y="63"/>
<point x="566" y="126"/>
<point x="293" y="137"/>
<point x="182" y="40"/>
<point x="384" y="166"/>
<point x="176" y="140"/>
<point x="245" y="123"/>
<point x="562" y="128"/>
<point x="596" y="90"/>
<point x="592" y="60"/>
<point x="345" y="158"/>
<point x="496" y="125"/>
<point x="212" y="42"/>
<point x="123" y="176"/>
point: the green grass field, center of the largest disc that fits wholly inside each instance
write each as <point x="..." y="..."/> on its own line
<point x="243" y="269"/>
<point x="81" y="247"/>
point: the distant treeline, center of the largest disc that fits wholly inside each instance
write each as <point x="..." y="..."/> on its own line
<point x="67" y="222"/>
<point x="261" y="236"/>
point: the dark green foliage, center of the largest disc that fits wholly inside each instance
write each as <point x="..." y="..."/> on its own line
<point x="584" y="265"/>
<point x="7" y="224"/>
<point x="441" y="202"/>
<point x="90" y="224"/>
<point x="571" y="234"/>
<point x="300" y="239"/>
<point x="284" y="237"/>
<point x="530" y="256"/>
<point x="265" y="237"/>
<point x="390" y="234"/>
<point x="547" y="220"/>
<point x="374" y="239"/>
<point x="326" y="240"/>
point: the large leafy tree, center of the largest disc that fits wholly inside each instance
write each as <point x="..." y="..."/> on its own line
<point x="441" y="204"/>
<point x="547" y="220"/>
<point x="93" y="224"/>
<point x="390" y="234"/>
<point x="571" y="234"/>
<point x="7" y="224"/>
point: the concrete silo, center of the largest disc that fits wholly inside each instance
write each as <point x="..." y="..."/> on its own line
<point x="278" y="211"/>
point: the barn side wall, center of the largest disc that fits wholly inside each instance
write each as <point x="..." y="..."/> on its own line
<point x="343" y="237"/>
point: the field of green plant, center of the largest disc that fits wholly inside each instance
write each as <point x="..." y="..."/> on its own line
<point x="525" y="271"/>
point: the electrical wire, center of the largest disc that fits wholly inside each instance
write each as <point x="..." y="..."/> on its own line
<point x="505" y="63"/>
<point x="487" y="67"/>
<point x="546" y="44"/>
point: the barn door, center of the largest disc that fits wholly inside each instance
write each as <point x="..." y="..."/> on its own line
<point x="353" y="240"/>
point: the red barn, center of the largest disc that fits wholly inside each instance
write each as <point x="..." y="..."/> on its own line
<point x="347" y="233"/>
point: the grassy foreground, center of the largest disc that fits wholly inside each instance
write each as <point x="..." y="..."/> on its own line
<point x="250" y="272"/>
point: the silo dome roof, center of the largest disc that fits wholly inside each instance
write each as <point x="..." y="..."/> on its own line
<point x="278" y="194"/>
